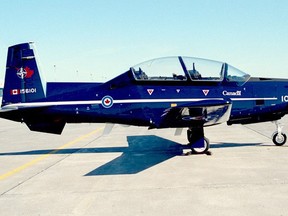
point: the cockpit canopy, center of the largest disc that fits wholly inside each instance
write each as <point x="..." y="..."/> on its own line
<point x="188" y="68"/>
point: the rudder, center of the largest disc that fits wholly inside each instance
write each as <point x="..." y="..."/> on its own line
<point x="23" y="81"/>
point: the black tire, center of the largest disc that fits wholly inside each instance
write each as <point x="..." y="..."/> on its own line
<point x="202" y="150"/>
<point x="189" y="136"/>
<point x="279" y="140"/>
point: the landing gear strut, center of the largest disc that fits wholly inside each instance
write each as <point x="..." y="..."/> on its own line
<point x="199" y="143"/>
<point x="278" y="137"/>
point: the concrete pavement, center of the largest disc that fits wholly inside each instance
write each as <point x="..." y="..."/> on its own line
<point x="135" y="171"/>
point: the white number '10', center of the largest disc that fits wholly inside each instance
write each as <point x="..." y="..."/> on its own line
<point x="284" y="98"/>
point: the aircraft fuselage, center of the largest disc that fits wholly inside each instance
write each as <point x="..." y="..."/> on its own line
<point x="143" y="104"/>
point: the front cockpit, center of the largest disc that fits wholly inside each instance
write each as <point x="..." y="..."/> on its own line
<point x="188" y="69"/>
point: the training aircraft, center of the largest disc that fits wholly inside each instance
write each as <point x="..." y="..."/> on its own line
<point x="173" y="92"/>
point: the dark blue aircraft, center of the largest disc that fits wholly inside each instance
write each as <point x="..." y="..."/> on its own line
<point x="174" y="92"/>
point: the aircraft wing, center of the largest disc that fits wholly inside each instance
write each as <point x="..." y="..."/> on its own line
<point x="206" y="112"/>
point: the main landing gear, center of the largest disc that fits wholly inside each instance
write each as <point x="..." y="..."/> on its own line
<point x="198" y="142"/>
<point x="278" y="137"/>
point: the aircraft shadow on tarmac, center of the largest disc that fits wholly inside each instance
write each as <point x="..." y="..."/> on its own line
<point x="142" y="153"/>
<point x="147" y="151"/>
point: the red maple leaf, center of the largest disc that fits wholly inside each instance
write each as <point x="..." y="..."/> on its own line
<point x="107" y="101"/>
<point x="29" y="72"/>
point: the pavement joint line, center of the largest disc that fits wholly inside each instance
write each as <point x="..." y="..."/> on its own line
<point x="260" y="133"/>
<point x="38" y="159"/>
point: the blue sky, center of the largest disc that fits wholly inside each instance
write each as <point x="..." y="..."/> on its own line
<point x="97" y="40"/>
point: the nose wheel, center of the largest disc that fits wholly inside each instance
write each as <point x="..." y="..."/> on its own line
<point x="278" y="137"/>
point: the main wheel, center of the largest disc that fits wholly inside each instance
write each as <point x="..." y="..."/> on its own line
<point x="202" y="150"/>
<point x="189" y="136"/>
<point x="279" y="139"/>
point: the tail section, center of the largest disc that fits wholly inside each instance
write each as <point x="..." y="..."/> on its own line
<point x="22" y="79"/>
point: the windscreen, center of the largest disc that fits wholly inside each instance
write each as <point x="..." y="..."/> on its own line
<point x="236" y="75"/>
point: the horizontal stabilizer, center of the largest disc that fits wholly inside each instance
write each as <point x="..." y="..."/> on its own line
<point x="47" y="127"/>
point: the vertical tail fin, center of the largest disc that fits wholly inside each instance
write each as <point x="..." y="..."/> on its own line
<point x="22" y="79"/>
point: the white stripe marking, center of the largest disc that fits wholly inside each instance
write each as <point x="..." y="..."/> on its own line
<point x="251" y="99"/>
<point x="93" y="102"/>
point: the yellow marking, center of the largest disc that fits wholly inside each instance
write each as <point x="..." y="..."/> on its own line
<point x="36" y="160"/>
<point x="173" y="104"/>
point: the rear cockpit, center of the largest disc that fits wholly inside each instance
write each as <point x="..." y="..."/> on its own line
<point x="188" y="69"/>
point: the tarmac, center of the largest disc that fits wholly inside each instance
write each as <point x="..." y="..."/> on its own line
<point x="135" y="171"/>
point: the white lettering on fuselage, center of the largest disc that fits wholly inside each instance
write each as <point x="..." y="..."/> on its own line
<point x="284" y="98"/>
<point x="235" y="93"/>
